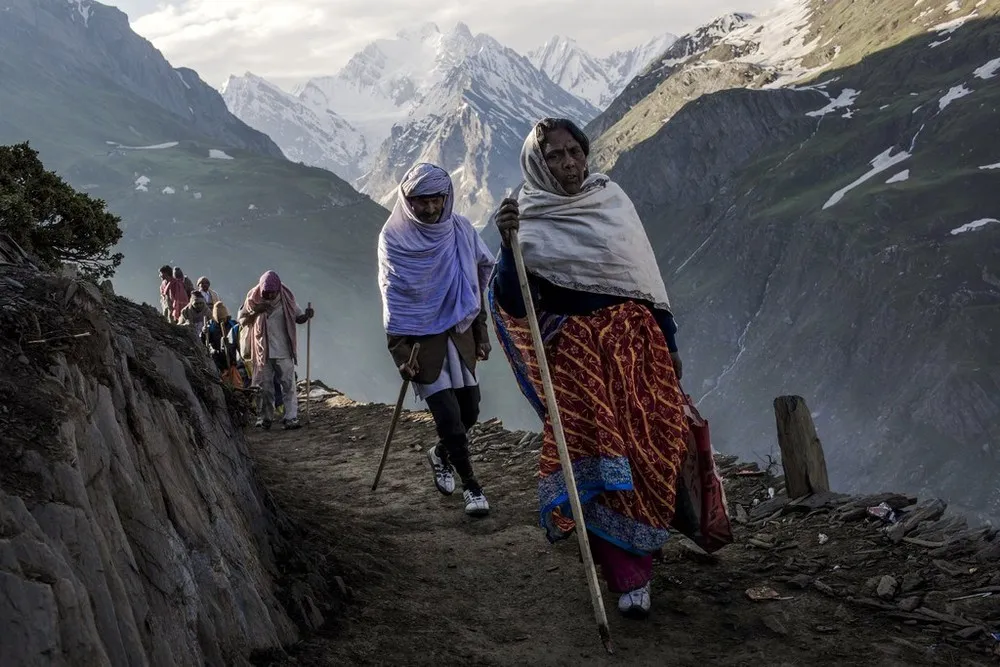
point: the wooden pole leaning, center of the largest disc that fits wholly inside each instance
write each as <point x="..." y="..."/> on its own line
<point x="801" y="451"/>
<point x="567" y="466"/>
<point x="395" y="418"/>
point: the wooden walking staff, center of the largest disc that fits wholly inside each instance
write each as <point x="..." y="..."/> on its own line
<point x="395" y="417"/>
<point x="308" y="366"/>
<point x="567" y="465"/>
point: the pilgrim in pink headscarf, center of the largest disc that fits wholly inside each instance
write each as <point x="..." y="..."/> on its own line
<point x="269" y="315"/>
<point x="173" y="296"/>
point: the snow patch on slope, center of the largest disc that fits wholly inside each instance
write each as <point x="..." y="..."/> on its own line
<point x="842" y="101"/>
<point x="82" y="8"/>
<point x="219" y="155"/>
<point x="951" y="26"/>
<point x="956" y="93"/>
<point x="900" y="177"/>
<point x="972" y="226"/>
<point x="154" y="147"/>
<point x="989" y="70"/>
<point x="882" y="162"/>
<point x="780" y="39"/>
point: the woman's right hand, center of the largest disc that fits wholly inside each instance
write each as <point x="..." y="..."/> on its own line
<point x="508" y="219"/>
<point x="678" y="364"/>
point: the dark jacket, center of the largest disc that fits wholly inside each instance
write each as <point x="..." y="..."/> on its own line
<point x="221" y="347"/>
<point x="434" y="348"/>
<point x="564" y="301"/>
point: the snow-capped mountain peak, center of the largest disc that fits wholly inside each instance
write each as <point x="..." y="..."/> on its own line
<point x="419" y="33"/>
<point x="596" y="80"/>
<point x="317" y="137"/>
<point x="381" y="84"/>
<point x="472" y="123"/>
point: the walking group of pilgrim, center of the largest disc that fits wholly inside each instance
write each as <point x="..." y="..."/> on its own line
<point x="582" y="315"/>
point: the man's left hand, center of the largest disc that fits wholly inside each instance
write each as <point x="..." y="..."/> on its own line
<point x="309" y="313"/>
<point x="483" y="351"/>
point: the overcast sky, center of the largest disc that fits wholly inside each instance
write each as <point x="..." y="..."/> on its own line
<point x="290" y="40"/>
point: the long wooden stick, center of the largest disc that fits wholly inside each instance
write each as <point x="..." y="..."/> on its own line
<point x="395" y="418"/>
<point x="308" y="364"/>
<point x="55" y="338"/>
<point x="564" y="459"/>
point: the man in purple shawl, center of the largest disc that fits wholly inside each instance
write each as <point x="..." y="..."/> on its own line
<point x="433" y="269"/>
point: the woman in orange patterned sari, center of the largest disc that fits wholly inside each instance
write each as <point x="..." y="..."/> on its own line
<point x="610" y="343"/>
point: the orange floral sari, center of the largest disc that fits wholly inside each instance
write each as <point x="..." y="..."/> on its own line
<point x="629" y="428"/>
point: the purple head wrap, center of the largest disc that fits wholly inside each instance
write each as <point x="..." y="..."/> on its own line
<point x="431" y="275"/>
<point x="425" y="180"/>
<point x="270" y="282"/>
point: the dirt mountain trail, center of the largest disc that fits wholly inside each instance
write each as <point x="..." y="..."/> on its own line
<point x="428" y="585"/>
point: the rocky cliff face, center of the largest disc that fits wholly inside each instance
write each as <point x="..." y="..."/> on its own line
<point x="132" y="528"/>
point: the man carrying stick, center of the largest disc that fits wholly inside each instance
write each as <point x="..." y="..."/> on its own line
<point x="270" y="313"/>
<point x="433" y="268"/>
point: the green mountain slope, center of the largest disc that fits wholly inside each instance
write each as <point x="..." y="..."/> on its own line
<point x="847" y="256"/>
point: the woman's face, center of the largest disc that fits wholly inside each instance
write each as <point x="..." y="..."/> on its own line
<point x="427" y="209"/>
<point x="565" y="159"/>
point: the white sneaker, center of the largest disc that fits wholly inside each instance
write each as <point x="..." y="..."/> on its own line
<point x="635" y="604"/>
<point x="444" y="476"/>
<point x="475" y="503"/>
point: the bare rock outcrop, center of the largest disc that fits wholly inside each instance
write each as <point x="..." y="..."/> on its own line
<point x="132" y="528"/>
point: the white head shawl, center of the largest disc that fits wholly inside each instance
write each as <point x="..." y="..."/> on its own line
<point x="592" y="241"/>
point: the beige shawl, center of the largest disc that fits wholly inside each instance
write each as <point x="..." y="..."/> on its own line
<point x="592" y="241"/>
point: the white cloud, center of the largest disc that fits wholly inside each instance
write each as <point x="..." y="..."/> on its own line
<point x="295" y="39"/>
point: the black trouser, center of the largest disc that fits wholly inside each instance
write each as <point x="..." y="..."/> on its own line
<point x="455" y="411"/>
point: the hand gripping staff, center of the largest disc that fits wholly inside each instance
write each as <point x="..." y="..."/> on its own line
<point x="395" y="417"/>
<point x="567" y="465"/>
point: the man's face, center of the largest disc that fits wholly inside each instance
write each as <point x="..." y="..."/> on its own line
<point x="427" y="209"/>
<point x="166" y="275"/>
<point x="203" y="285"/>
<point x="269" y="296"/>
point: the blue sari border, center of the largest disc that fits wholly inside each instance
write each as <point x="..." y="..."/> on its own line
<point x="595" y="476"/>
